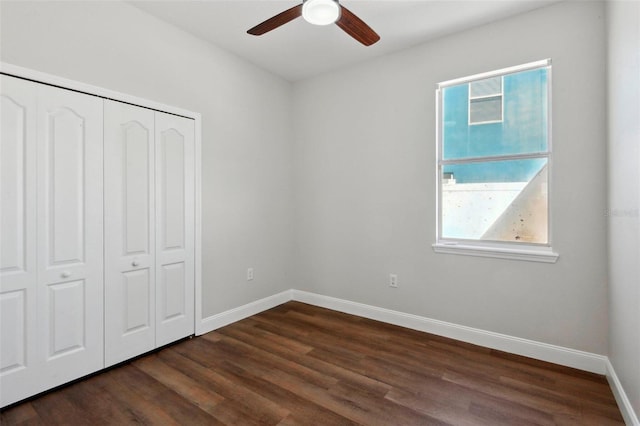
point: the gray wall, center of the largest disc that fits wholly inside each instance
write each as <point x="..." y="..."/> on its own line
<point x="246" y="155"/>
<point x="365" y="184"/>
<point x="623" y="22"/>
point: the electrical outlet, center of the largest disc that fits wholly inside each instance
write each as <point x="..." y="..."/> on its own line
<point x="249" y="274"/>
<point x="393" y="280"/>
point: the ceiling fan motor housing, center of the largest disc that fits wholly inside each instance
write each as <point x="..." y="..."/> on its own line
<point x="321" y="12"/>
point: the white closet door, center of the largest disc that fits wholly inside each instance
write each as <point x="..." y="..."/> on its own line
<point x="18" y="365"/>
<point x="70" y="240"/>
<point x="130" y="302"/>
<point x="175" y="192"/>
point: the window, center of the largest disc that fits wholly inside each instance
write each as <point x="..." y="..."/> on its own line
<point x="485" y="101"/>
<point x="494" y="155"/>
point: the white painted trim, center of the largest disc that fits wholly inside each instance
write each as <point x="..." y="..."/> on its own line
<point x="515" y="345"/>
<point x="198" y="224"/>
<point x="236" y="314"/>
<point x="489" y="74"/>
<point x="629" y="415"/>
<point x="533" y="254"/>
<point x="64" y="83"/>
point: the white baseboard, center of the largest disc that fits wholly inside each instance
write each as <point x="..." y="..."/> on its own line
<point x="236" y="314"/>
<point x="515" y="345"/>
<point x="630" y="417"/>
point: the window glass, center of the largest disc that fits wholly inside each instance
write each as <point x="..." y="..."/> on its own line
<point x="485" y="110"/>
<point x="496" y="201"/>
<point x="523" y="129"/>
<point x="485" y="87"/>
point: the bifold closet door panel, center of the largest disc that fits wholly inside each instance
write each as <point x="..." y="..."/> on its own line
<point x="70" y="234"/>
<point x="18" y="267"/>
<point x="175" y="224"/>
<point x="130" y="302"/>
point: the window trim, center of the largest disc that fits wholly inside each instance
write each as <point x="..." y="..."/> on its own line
<point x="485" y="248"/>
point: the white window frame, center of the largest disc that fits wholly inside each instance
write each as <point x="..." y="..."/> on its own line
<point x="475" y="98"/>
<point x="485" y="248"/>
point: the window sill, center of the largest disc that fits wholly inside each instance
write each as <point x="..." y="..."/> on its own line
<point x="542" y="254"/>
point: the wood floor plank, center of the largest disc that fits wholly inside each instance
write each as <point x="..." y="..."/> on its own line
<point x="586" y="404"/>
<point x="453" y="412"/>
<point x="545" y="403"/>
<point x="233" y="347"/>
<point x="185" y="386"/>
<point x="298" y="364"/>
<point x="203" y="366"/>
<point x="89" y="395"/>
<point x="21" y="414"/>
<point x="276" y="342"/>
<point x="303" y="410"/>
<point x="263" y="340"/>
<point x="57" y="409"/>
<point x="141" y="407"/>
<point x="371" y="410"/>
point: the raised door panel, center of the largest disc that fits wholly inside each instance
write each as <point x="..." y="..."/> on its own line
<point x="70" y="234"/>
<point x="67" y="318"/>
<point x="136" y="312"/>
<point x="65" y="192"/>
<point x="13" y="351"/>
<point x="18" y="270"/>
<point x="175" y="198"/>
<point x="130" y="231"/>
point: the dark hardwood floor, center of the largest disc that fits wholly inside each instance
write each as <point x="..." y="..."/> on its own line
<point x="301" y="365"/>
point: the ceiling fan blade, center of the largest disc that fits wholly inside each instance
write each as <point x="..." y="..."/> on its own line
<point x="276" y="21"/>
<point x="356" y="27"/>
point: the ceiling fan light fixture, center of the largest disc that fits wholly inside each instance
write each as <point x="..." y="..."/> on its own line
<point x="321" y="12"/>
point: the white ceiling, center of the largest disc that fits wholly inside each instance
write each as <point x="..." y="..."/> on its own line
<point x="299" y="50"/>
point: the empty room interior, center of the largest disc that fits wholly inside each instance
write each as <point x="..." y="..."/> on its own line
<point x="322" y="212"/>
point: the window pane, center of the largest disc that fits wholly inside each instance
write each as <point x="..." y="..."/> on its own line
<point x="485" y="109"/>
<point x="523" y="128"/>
<point x="486" y="87"/>
<point x="496" y="201"/>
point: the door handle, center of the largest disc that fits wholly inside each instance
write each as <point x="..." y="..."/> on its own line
<point x="135" y="263"/>
<point x="65" y="274"/>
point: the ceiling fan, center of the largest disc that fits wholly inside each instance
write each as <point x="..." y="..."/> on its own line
<point x="321" y="12"/>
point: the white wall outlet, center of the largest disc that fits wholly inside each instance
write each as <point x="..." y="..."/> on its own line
<point x="249" y="274"/>
<point x="393" y="280"/>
